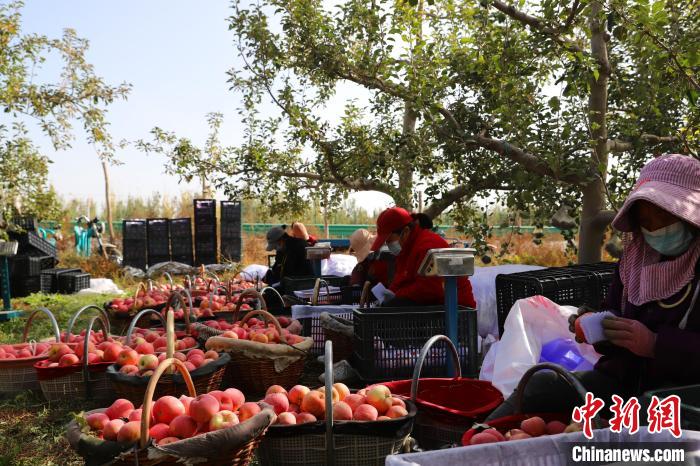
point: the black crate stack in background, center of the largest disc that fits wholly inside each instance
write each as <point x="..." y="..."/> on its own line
<point x="158" y="234"/>
<point x="34" y="254"/>
<point x="205" y="244"/>
<point x="230" y="230"/>
<point x="181" y="240"/>
<point x="134" y="243"/>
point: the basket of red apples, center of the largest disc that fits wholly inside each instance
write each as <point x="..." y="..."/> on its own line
<point x="215" y="428"/>
<point x="521" y="426"/>
<point x="77" y="368"/>
<point x="446" y="406"/>
<point x="143" y="298"/>
<point x="17" y="372"/>
<point x="133" y="369"/>
<point x="343" y="428"/>
<point x="262" y="353"/>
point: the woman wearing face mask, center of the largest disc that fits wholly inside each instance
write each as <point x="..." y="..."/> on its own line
<point x="408" y="237"/>
<point x="653" y="340"/>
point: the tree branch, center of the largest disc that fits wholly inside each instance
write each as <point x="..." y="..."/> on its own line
<point x="617" y="145"/>
<point x="537" y="24"/>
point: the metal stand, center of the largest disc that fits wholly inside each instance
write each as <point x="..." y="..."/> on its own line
<point x="451" y="318"/>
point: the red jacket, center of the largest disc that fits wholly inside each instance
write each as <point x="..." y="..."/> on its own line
<point x="424" y="290"/>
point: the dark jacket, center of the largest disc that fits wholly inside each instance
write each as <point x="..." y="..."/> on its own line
<point x="677" y="355"/>
<point x="408" y="285"/>
<point x="290" y="262"/>
<point x="372" y="269"/>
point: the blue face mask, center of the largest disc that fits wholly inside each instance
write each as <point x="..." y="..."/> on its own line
<point x="672" y="240"/>
<point x="394" y="247"/>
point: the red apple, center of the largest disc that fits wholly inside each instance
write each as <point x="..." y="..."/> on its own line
<point x="297" y="393"/>
<point x="396" y="412"/>
<point x="278" y="401"/>
<point x="129" y="432"/>
<point x="119" y="409"/>
<point x="236" y="396"/>
<point x="354" y="400"/>
<point x="159" y="431"/>
<point x="379" y="396"/>
<point x="203" y="408"/>
<point x="129" y="370"/>
<point x="127" y="356"/>
<point x="111" y="430"/>
<point x="167" y="408"/>
<point x="148" y="362"/>
<point x="183" y="426"/>
<point x="68" y="360"/>
<point x="314" y="402"/>
<point x="97" y="421"/>
<point x="365" y="412"/>
<point x="303" y="418"/>
<point x="286" y="419"/>
<point x="248" y="410"/>
<point x="342" y="411"/>
<point x="222" y="420"/>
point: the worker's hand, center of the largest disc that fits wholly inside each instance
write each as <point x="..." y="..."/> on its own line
<point x="630" y="334"/>
<point x="388" y="295"/>
<point x="572" y="320"/>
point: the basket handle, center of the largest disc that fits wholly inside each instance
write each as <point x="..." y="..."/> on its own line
<point x="328" y="379"/>
<point x="75" y="316"/>
<point x="421" y="360"/>
<point x="54" y="324"/>
<point x="269" y="318"/>
<point x="170" y="279"/>
<point x="365" y="294"/>
<point x="138" y="317"/>
<point x="317" y="289"/>
<point x="248" y="292"/>
<point x="150" y="391"/>
<point x="561" y="372"/>
<point x="204" y="272"/>
<point x="138" y="288"/>
<point x="86" y="344"/>
<point x="176" y="296"/>
<point x="150" y="284"/>
<point x="274" y="290"/>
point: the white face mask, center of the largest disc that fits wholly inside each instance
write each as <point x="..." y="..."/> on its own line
<point x="672" y="240"/>
<point x="394" y="247"/>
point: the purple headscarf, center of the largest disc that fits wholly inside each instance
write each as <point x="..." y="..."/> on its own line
<point x="671" y="182"/>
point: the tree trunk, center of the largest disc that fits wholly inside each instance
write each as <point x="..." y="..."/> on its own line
<point x="108" y="203"/>
<point x="592" y="232"/>
<point x="405" y="188"/>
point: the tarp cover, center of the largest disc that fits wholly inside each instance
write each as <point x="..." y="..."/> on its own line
<point x="282" y="355"/>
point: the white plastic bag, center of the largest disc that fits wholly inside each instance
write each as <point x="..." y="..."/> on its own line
<point x="339" y="265"/>
<point x="531" y="323"/>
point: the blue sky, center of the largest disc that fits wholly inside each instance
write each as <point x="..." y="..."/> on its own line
<point x="175" y="53"/>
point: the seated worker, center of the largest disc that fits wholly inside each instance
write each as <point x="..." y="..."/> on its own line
<point x="369" y="267"/>
<point x="654" y="339"/>
<point x="290" y="259"/>
<point x="408" y="237"/>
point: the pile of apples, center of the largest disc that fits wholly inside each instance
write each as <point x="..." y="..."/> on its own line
<point x="241" y="285"/>
<point x="301" y="404"/>
<point x="256" y="330"/>
<point x="23" y="350"/>
<point x="172" y="419"/>
<point x="221" y="303"/>
<point x="531" y="427"/>
<point x="143" y="300"/>
<point x="132" y="363"/>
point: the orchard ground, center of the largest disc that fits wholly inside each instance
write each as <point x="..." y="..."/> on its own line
<point x="32" y="430"/>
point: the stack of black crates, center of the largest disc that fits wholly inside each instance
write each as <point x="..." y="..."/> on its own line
<point x="32" y="269"/>
<point x="134" y="243"/>
<point x="181" y="240"/>
<point x="230" y="231"/>
<point x="158" y="235"/>
<point x="205" y="244"/>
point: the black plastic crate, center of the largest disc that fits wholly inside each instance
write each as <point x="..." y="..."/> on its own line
<point x="690" y="403"/>
<point x="134" y="253"/>
<point x="231" y="249"/>
<point x="231" y="211"/>
<point x="25" y="266"/>
<point x="32" y="244"/>
<point x="292" y="284"/>
<point x="158" y="233"/>
<point x="205" y="258"/>
<point x="311" y="327"/>
<point x="181" y="240"/>
<point x="69" y="283"/>
<point x="134" y="230"/>
<point x="22" y="287"/>
<point x="573" y="286"/>
<point x="26" y="223"/>
<point x="388" y="340"/>
<point x="49" y="279"/>
<point x="205" y="211"/>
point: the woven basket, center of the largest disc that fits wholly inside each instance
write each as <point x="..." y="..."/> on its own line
<point x="145" y="453"/>
<point x="19" y="375"/>
<point x="81" y="380"/>
<point x="203" y="378"/>
<point x="331" y="443"/>
<point x="255" y="374"/>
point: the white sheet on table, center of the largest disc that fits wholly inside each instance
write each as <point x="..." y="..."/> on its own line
<point x="254" y="271"/>
<point x="541" y="451"/>
<point x="338" y="265"/>
<point x="101" y="285"/>
<point x="484" y="288"/>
